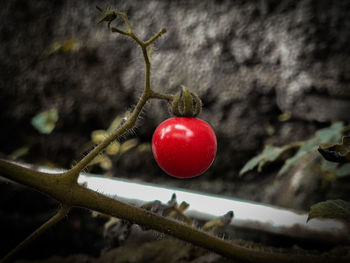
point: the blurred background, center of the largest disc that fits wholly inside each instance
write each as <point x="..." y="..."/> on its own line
<point x="268" y="72"/>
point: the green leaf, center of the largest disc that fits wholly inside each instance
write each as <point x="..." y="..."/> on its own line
<point x="98" y="136"/>
<point x="113" y="148"/>
<point x="269" y="154"/>
<point x="45" y="121"/>
<point x="330" y="209"/>
<point x="103" y="160"/>
<point x="128" y="145"/>
<point x="303" y="150"/>
<point x="339" y="153"/>
<point x="70" y="45"/>
<point x="330" y="134"/>
<point x="20" y="152"/>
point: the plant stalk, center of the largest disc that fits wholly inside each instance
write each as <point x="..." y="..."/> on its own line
<point x="79" y="196"/>
<point x="63" y="211"/>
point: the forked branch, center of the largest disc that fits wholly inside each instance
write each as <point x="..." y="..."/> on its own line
<point x="64" y="187"/>
<point x="62" y="212"/>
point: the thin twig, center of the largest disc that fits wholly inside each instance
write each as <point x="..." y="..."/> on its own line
<point x="126" y="20"/>
<point x="64" y="188"/>
<point x="74" y="172"/>
<point x="77" y="195"/>
<point x="161" y="96"/>
<point x="147" y="94"/>
<point x="154" y="38"/>
<point x="48" y="224"/>
<point x="116" y="30"/>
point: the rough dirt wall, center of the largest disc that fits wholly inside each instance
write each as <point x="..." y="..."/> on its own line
<point x="248" y="60"/>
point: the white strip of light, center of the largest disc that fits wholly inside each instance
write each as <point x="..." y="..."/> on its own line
<point x="208" y="207"/>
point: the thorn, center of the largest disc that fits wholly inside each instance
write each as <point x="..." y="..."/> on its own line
<point x="99" y="9"/>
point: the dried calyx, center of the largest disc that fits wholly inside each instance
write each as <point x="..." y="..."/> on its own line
<point x="186" y="103"/>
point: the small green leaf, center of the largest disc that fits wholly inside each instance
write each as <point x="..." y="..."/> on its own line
<point x="330" y="134"/>
<point x="250" y="165"/>
<point x="98" y="136"/>
<point x="70" y="45"/>
<point x="272" y="153"/>
<point x="103" y="160"/>
<point x="303" y="150"/>
<point x="113" y="148"/>
<point x="269" y="154"/>
<point x="330" y="209"/>
<point x="128" y="145"/>
<point x="144" y="147"/>
<point x="339" y="153"/>
<point x="45" y="121"/>
<point x="117" y="122"/>
<point x="19" y="152"/>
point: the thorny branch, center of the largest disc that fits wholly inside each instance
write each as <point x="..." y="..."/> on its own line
<point x="65" y="188"/>
<point x="62" y="212"/>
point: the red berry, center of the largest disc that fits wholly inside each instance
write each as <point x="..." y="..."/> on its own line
<point x="184" y="146"/>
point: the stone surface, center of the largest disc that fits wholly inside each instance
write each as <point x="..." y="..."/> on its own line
<point x="248" y="60"/>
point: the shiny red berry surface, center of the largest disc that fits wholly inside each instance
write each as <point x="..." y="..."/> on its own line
<point x="184" y="147"/>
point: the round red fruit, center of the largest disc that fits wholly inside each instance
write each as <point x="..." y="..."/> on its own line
<point x="184" y="147"/>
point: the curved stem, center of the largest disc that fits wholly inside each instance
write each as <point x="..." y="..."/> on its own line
<point x="147" y="70"/>
<point x="76" y="195"/>
<point x="74" y="172"/>
<point x="126" y="20"/>
<point x="154" y="38"/>
<point x="64" y="188"/>
<point x="51" y="184"/>
<point x="107" y="205"/>
<point x="147" y="94"/>
<point x="52" y="221"/>
<point x="161" y="96"/>
<point x="117" y="30"/>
